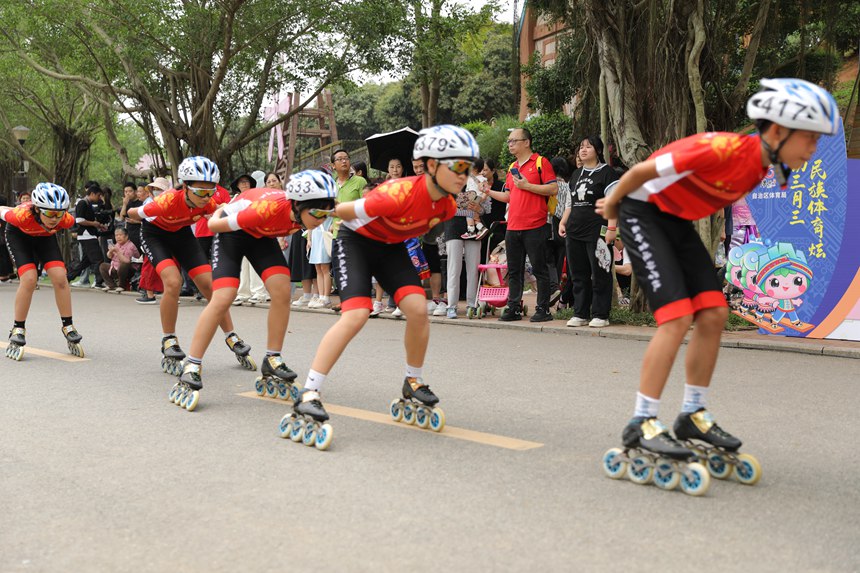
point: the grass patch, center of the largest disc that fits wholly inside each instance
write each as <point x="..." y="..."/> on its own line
<point x="618" y="316"/>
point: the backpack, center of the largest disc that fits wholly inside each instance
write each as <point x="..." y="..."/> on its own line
<point x="552" y="200"/>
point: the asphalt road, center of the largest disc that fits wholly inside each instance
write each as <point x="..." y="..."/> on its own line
<point x="99" y="472"/>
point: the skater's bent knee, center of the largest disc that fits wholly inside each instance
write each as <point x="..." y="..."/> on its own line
<point x="712" y="317"/>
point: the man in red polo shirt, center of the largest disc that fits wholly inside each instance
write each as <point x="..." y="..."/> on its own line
<point x="527" y="190"/>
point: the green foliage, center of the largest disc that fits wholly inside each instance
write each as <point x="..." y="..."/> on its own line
<point x="492" y="141"/>
<point x="476" y="128"/>
<point x="552" y="134"/>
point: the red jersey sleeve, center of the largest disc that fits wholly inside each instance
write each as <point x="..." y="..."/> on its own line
<point x="154" y="208"/>
<point x="701" y="152"/>
<point x="249" y="218"/>
<point x="67" y="222"/>
<point x="387" y="200"/>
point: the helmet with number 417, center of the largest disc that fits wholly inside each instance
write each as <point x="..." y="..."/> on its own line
<point x="445" y="142"/>
<point x="795" y="104"/>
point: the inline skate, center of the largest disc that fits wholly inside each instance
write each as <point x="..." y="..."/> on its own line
<point x="172" y="356"/>
<point x="717" y="449"/>
<point x="241" y="350"/>
<point x="417" y="406"/>
<point x="651" y="454"/>
<point x="307" y="422"/>
<point x="17" y="341"/>
<point x="276" y="380"/>
<point x="73" y="340"/>
<point x="186" y="392"/>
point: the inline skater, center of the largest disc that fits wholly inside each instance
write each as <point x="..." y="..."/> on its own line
<point x="30" y="236"/>
<point x="370" y="243"/>
<point x="248" y="227"/>
<point x="168" y="242"/>
<point x="657" y="201"/>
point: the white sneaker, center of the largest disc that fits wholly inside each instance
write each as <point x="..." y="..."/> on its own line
<point x="378" y="307"/>
<point x="315" y="303"/>
<point x="598" y="323"/>
<point x="441" y="309"/>
<point x="323" y="303"/>
<point x="431" y="306"/>
<point x="239" y="300"/>
<point x="301" y="301"/>
<point x="397" y="313"/>
<point x="257" y="299"/>
<point x="576" y="321"/>
<point x="77" y="283"/>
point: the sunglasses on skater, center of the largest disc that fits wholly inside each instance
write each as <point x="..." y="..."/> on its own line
<point x="52" y="214"/>
<point x="202" y="191"/>
<point x="320" y="213"/>
<point x="457" y="166"/>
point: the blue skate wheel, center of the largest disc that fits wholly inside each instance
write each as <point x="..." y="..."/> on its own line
<point x="271" y="389"/>
<point x="718" y="466"/>
<point x="437" y="419"/>
<point x="294" y="392"/>
<point x="260" y="386"/>
<point x="695" y="480"/>
<point x="172" y="394"/>
<point x="297" y="431"/>
<point x="409" y="413"/>
<point x="748" y="469"/>
<point x="613" y="464"/>
<point x="640" y="470"/>
<point x="422" y="417"/>
<point x="283" y="391"/>
<point x="665" y="476"/>
<point x="310" y="437"/>
<point x="285" y="425"/>
<point x="191" y="400"/>
<point x="324" y="437"/>
<point x="396" y="410"/>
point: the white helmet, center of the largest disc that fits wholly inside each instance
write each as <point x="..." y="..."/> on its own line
<point x="445" y="142"/>
<point x="198" y="169"/>
<point x="795" y="104"/>
<point x="50" y="196"/>
<point x="311" y="184"/>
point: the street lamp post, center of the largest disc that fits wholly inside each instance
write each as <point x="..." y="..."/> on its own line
<point x="21" y="133"/>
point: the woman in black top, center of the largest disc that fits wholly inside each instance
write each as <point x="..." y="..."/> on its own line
<point x="581" y="227"/>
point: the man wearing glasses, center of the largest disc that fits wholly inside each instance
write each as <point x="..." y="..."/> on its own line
<point x="167" y="239"/>
<point x="529" y="184"/>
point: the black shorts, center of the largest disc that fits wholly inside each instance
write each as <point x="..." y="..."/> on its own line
<point x="359" y="259"/>
<point x="169" y="248"/>
<point x="27" y="251"/>
<point x="669" y="260"/>
<point x="431" y="253"/>
<point x="264" y="254"/>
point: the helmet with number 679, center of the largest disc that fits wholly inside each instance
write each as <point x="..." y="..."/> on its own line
<point x="795" y="104"/>
<point x="445" y="142"/>
<point x="50" y="196"/>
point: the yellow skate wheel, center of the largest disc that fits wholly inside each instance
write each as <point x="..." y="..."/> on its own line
<point x="748" y="470"/>
<point x="613" y="464"/>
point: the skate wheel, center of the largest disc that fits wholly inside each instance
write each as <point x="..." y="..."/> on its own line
<point x="409" y="413"/>
<point x="283" y="391"/>
<point x="422" y="417"/>
<point x="396" y="410"/>
<point x="271" y="389"/>
<point x="665" y="476"/>
<point x="180" y="398"/>
<point x="285" y="425"/>
<point x="164" y="365"/>
<point x="297" y="430"/>
<point x="748" y="470"/>
<point x="324" y="437"/>
<point x="614" y="467"/>
<point x="247" y="362"/>
<point x="640" y="471"/>
<point x="695" y="480"/>
<point x="310" y="437"/>
<point x="191" y="400"/>
<point x="76" y="349"/>
<point x="294" y="392"/>
<point x="260" y="386"/>
<point x="14" y="352"/>
<point x="437" y="419"/>
<point x="173" y="392"/>
<point x="718" y="466"/>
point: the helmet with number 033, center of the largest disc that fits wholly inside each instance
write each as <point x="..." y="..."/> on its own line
<point x="311" y="184"/>
<point x="795" y="104"/>
<point x="445" y="142"/>
<point x="50" y="196"/>
<point x="198" y="168"/>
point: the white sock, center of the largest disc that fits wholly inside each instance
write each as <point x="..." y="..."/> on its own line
<point x="414" y="371"/>
<point x="695" y="398"/>
<point x="646" y="407"/>
<point x="315" y="380"/>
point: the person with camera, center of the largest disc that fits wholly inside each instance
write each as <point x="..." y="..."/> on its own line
<point x="88" y="236"/>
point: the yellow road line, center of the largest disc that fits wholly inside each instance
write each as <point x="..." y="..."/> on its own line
<point x="48" y="354"/>
<point x="447" y="431"/>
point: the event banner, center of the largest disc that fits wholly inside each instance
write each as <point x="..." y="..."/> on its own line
<point x="799" y="270"/>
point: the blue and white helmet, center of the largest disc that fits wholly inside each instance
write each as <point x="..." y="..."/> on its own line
<point x="445" y="142"/>
<point x="50" y="196"/>
<point x="311" y="184"/>
<point x="795" y="104"/>
<point x="198" y="168"/>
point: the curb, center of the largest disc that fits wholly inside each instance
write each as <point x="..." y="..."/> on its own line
<point x="750" y="341"/>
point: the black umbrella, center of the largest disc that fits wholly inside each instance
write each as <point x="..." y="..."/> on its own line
<point x="382" y="147"/>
